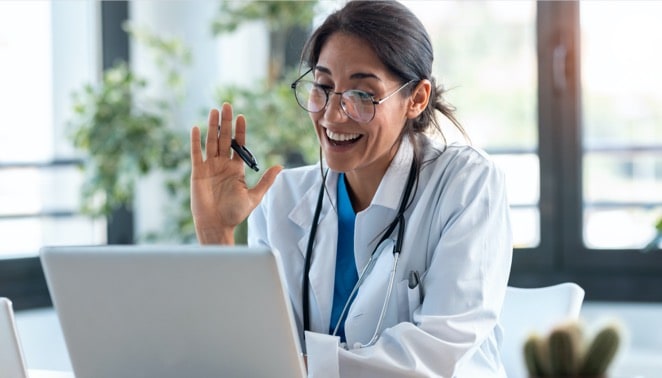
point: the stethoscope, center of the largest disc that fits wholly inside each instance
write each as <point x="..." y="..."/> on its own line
<point x="399" y="222"/>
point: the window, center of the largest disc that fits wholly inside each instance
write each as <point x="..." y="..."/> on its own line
<point x="39" y="195"/>
<point x="622" y="123"/>
<point x="563" y="96"/>
<point x="486" y="59"/>
<point x="44" y="56"/>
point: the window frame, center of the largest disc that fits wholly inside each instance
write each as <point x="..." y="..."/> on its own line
<point x="609" y="275"/>
<point x="22" y="279"/>
<point x="614" y="275"/>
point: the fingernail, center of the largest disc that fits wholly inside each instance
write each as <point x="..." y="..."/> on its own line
<point x="226" y="111"/>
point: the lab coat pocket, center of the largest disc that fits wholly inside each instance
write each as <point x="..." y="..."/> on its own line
<point x="409" y="299"/>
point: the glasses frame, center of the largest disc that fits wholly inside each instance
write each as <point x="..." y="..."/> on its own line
<point x="329" y="92"/>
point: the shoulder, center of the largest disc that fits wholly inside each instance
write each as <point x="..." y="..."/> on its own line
<point x="458" y="159"/>
<point x="294" y="182"/>
<point x="299" y="176"/>
<point x="460" y="173"/>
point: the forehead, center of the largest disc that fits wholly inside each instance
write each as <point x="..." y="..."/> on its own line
<point x="344" y="55"/>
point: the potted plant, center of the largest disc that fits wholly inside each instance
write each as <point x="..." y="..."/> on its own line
<point x="124" y="134"/>
<point x="568" y="352"/>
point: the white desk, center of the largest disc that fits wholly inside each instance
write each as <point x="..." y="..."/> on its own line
<point x="49" y="374"/>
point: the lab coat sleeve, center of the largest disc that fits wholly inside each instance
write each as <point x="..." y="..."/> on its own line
<point x="322" y="355"/>
<point x="465" y="285"/>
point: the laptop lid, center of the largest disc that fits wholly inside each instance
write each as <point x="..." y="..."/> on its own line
<point x="173" y="311"/>
<point x="12" y="363"/>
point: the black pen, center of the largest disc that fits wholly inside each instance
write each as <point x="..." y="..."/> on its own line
<point x="245" y="155"/>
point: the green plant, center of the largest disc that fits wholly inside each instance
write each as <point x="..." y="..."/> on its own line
<point x="279" y="131"/>
<point x="124" y="133"/>
<point x="567" y="352"/>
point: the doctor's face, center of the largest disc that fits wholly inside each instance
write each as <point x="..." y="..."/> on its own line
<point x="347" y="63"/>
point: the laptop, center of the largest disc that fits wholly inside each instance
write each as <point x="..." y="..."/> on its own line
<point x="12" y="362"/>
<point x="173" y="311"/>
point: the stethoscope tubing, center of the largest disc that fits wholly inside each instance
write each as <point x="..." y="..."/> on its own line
<point x="387" y="300"/>
<point x="399" y="222"/>
<point x="368" y="268"/>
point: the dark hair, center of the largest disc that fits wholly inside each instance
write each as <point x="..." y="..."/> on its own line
<point x="401" y="43"/>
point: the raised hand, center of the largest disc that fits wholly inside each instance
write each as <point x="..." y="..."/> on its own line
<point x="220" y="198"/>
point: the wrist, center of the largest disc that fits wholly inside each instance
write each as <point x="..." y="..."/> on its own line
<point x="221" y="235"/>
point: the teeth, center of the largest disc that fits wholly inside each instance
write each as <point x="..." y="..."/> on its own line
<point x="340" y="137"/>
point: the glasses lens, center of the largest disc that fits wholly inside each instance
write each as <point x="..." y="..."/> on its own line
<point x="358" y="105"/>
<point x="311" y="97"/>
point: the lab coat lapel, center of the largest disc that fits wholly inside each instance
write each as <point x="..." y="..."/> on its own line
<point x="324" y="250"/>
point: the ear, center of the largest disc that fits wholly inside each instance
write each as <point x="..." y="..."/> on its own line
<point x="419" y="98"/>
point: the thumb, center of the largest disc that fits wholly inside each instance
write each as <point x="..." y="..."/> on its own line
<point x="265" y="183"/>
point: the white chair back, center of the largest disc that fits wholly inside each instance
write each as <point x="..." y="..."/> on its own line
<point x="527" y="310"/>
<point x="12" y="363"/>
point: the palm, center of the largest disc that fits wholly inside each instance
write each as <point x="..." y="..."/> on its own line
<point x="220" y="198"/>
<point x="219" y="192"/>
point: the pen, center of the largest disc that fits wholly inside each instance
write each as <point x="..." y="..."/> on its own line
<point x="245" y="155"/>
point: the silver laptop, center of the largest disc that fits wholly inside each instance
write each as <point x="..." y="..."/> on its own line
<point x="173" y="311"/>
<point x="12" y="362"/>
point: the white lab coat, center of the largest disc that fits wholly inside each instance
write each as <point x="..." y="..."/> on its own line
<point x="457" y="235"/>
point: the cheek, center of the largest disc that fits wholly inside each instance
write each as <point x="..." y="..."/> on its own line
<point x="314" y="118"/>
<point x="388" y="129"/>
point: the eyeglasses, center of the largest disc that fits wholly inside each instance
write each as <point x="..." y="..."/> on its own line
<point x="358" y="105"/>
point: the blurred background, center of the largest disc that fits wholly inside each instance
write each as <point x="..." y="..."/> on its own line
<point x="97" y="99"/>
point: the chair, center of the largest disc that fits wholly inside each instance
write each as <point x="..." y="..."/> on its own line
<point x="526" y="310"/>
<point x="12" y="363"/>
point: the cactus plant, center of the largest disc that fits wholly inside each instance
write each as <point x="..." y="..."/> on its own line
<point x="567" y="352"/>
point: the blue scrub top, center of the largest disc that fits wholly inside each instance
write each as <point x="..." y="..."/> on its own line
<point x="346" y="275"/>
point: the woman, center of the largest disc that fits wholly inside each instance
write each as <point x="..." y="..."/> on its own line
<point x="428" y="222"/>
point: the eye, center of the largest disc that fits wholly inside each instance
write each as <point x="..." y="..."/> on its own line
<point x="359" y="95"/>
<point x="322" y="87"/>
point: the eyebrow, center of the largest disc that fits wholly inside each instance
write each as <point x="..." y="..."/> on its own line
<point x="354" y="76"/>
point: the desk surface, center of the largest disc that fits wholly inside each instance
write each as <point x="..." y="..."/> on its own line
<point x="49" y="374"/>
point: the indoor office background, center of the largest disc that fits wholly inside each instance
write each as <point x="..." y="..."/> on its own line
<point x="565" y="96"/>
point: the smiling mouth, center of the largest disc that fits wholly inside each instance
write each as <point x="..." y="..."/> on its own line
<point x="339" y="139"/>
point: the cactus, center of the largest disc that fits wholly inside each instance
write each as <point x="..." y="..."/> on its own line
<point x="565" y="346"/>
<point x="562" y="353"/>
<point x="532" y="353"/>
<point x="601" y="352"/>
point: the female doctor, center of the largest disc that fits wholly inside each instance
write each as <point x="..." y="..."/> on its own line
<point x="397" y="246"/>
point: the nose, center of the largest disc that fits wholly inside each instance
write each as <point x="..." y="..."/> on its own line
<point x="334" y="111"/>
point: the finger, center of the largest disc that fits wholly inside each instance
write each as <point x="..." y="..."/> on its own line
<point x="240" y="130"/>
<point x="196" y="151"/>
<point x="265" y="183"/>
<point x="225" y="136"/>
<point x="211" y="146"/>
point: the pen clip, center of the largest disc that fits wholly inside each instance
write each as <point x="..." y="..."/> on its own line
<point x="414" y="279"/>
<point x="248" y="153"/>
<point x="415" y="282"/>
